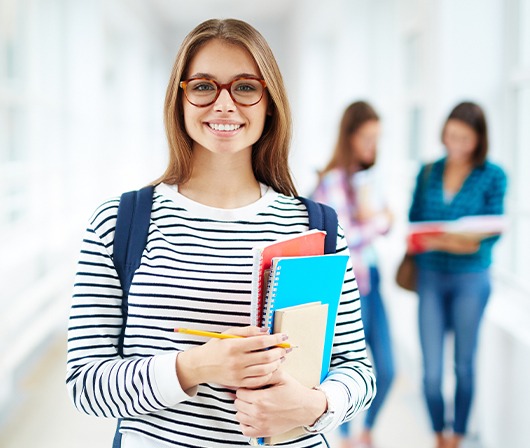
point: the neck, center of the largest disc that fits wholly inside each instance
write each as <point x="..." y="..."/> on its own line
<point x="462" y="164"/>
<point x="222" y="181"/>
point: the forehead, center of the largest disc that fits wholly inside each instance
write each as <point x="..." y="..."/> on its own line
<point x="369" y="127"/>
<point x="222" y="60"/>
<point x="458" y="127"/>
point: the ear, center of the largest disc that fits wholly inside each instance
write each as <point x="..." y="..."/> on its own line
<point x="270" y="108"/>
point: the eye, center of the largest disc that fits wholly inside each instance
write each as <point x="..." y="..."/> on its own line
<point x="246" y="86"/>
<point x="202" y="86"/>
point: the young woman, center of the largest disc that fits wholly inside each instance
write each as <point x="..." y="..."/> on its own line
<point x="227" y="188"/>
<point x="453" y="272"/>
<point x="349" y="185"/>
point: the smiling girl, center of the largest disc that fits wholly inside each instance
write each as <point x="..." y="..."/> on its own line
<point x="227" y="188"/>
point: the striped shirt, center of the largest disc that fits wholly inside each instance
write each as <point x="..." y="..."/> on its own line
<point x="195" y="271"/>
<point x="482" y="193"/>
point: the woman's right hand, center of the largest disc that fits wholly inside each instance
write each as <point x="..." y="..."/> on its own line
<point x="233" y="362"/>
<point x="454" y="244"/>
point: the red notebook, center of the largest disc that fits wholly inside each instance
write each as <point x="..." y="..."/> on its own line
<point x="302" y="244"/>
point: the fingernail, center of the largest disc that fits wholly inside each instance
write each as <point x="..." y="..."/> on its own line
<point x="284" y="337"/>
<point x="288" y="350"/>
<point x="264" y="329"/>
<point x="282" y="359"/>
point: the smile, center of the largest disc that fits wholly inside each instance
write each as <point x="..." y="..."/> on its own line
<point x="224" y="127"/>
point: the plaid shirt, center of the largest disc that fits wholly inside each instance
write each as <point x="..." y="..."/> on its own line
<point x="333" y="190"/>
<point x="481" y="194"/>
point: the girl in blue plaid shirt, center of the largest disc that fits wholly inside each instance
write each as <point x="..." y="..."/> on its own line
<point x="453" y="271"/>
<point x="350" y="185"/>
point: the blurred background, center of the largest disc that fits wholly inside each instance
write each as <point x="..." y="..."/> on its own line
<point x="82" y="85"/>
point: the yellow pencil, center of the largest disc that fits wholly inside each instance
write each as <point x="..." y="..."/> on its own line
<point x="211" y="334"/>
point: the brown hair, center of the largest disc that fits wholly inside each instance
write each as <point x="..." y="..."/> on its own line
<point x="355" y="115"/>
<point x="472" y="115"/>
<point x="270" y="154"/>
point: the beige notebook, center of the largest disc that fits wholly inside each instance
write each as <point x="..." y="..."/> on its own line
<point x="306" y="326"/>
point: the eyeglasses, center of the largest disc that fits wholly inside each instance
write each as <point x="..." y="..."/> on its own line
<point x="202" y="92"/>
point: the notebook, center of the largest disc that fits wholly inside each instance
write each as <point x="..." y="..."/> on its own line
<point x="305" y="361"/>
<point x="295" y="281"/>
<point x="298" y="280"/>
<point x="310" y="242"/>
<point x="473" y="228"/>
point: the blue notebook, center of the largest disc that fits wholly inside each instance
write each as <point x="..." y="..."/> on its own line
<point x="298" y="280"/>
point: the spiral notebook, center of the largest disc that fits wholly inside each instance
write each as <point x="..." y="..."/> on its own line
<point x="295" y="281"/>
<point x="298" y="280"/>
<point x="310" y="242"/>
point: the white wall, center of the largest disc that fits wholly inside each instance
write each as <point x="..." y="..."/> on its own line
<point x="87" y="81"/>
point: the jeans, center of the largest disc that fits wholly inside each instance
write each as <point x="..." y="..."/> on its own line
<point x="450" y="301"/>
<point x="377" y="336"/>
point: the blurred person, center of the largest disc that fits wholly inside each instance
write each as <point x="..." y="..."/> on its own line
<point x="349" y="185"/>
<point x="453" y="271"/>
<point x="227" y="188"/>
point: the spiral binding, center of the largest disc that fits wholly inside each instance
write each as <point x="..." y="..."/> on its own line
<point x="272" y="286"/>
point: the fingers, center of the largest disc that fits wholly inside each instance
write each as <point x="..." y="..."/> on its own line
<point x="247" y="331"/>
<point x="255" y="338"/>
<point x="262" y="342"/>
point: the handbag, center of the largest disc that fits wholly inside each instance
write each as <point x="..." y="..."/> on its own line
<point x="406" y="273"/>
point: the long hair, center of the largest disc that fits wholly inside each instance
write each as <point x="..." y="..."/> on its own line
<point x="270" y="154"/>
<point x="355" y="115"/>
<point x="472" y="114"/>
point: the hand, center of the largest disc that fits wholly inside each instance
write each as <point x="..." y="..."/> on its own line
<point x="389" y="216"/>
<point x="451" y="243"/>
<point x="286" y="404"/>
<point x="365" y="213"/>
<point x="235" y="362"/>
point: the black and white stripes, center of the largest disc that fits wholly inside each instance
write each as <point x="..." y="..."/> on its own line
<point x="196" y="271"/>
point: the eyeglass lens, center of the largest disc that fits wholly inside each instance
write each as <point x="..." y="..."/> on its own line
<point x="203" y="92"/>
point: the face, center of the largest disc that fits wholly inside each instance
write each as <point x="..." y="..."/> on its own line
<point x="364" y="142"/>
<point x="460" y="139"/>
<point x="223" y="127"/>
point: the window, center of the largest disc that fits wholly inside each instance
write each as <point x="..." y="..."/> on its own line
<point x="517" y="253"/>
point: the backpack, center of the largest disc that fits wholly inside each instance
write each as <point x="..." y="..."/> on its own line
<point x="130" y="238"/>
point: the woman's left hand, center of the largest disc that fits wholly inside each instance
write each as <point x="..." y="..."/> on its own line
<point x="282" y="405"/>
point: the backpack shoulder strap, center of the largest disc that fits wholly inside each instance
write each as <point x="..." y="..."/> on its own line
<point x="323" y="217"/>
<point x="130" y="238"/>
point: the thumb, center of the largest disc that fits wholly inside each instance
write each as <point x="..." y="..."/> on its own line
<point x="247" y="331"/>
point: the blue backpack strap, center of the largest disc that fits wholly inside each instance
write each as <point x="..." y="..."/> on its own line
<point x="323" y="217"/>
<point x="116" y="442"/>
<point x="130" y="237"/>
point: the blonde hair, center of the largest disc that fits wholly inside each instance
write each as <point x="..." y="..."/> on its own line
<point x="270" y="154"/>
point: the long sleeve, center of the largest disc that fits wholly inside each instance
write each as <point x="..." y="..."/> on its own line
<point x="99" y="381"/>
<point x="415" y="211"/>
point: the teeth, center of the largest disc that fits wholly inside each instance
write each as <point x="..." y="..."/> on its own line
<point x="224" y="127"/>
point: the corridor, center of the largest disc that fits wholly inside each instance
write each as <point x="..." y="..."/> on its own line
<point x="82" y="89"/>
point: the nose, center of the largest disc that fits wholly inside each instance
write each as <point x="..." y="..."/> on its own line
<point x="224" y="101"/>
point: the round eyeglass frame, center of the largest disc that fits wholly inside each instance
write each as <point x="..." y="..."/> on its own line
<point x="227" y="87"/>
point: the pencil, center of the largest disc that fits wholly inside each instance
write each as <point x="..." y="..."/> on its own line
<point x="211" y="334"/>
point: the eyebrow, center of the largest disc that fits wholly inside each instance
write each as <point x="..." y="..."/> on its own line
<point x="210" y="76"/>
